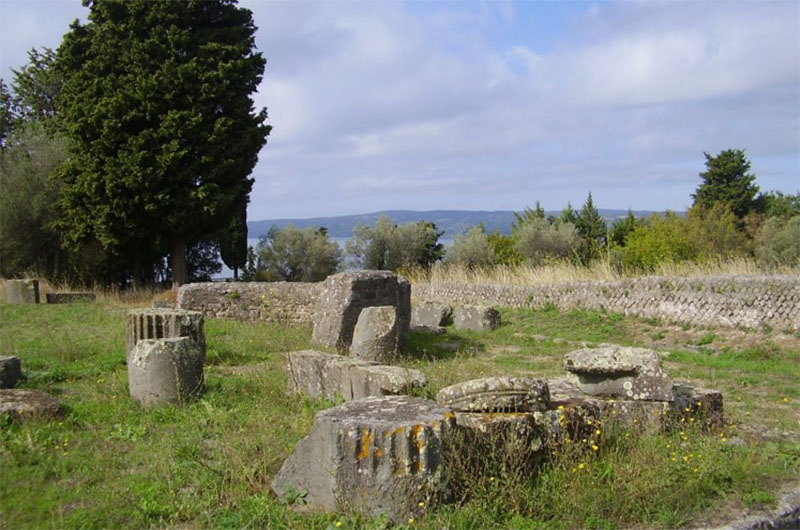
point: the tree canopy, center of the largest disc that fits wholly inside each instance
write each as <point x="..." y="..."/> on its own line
<point x="727" y="179"/>
<point x="157" y="104"/>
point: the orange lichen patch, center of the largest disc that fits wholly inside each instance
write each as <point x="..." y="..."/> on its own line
<point x="377" y="453"/>
<point x="449" y="415"/>
<point x="417" y="436"/>
<point x="366" y="442"/>
<point x="418" y="466"/>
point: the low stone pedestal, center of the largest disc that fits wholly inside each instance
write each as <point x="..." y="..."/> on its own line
<point x="376" y="336"/>
<point x="10" y="371"/>
<point x="23" y="405"/>
<point x="165" y="371"/>
<point x="476" y="318"/>
<point x="318" y="374"/>
<point x="155" y="323"/>
<point x="69" y="298"/>
<point x="22" y="291"/>
<point x="372" y="456"/>
<point x="431" y="314"/>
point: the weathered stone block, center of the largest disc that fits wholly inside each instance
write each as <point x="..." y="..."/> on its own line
<point x="165" y="371"/>
<point x="69" y="298"/>
<point x="496" y="394"/>
<point x="618" y="371"/>
<point x="509" y="438"/>
<point x="10" y="371"/>
<point x="376" y="337"/>
<point x="154" y="323"/>
<point x="698" y="405"/>
<point x="318" y="374"/>
<point x="372" y="456"/>
<point x="343" y="297"/>
<point x="431" y="314"/>
<point x="22" y="291"/>
<point x="29" y="404"/>
<point x="476" y="318"/>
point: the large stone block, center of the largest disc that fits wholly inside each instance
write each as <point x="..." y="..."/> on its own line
<point x="476" y="318"/>
<point x="619" y="371"/>
<point x="372" y="456"/>
<point x="10" y="371"/>
<point x="156" y="323"/>
<point x="376" y="337"/>
<point x="496" y="394"/>
<point x="165" y="371"/>
<point x="431" y="314"/>
<point x="22" y="291"/>
<point x="29" y="404"/>
<point x="702" y="406"/>
<point x="503" y="439"/>
<point x="69" y="298"/>
<point x="319" y="374"/>
<point x="343" y="296"/>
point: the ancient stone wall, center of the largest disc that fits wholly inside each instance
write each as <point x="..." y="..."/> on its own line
<point x="746" y="301"/>
<point x="731" y="301"/>
<point x="252" y="301"/>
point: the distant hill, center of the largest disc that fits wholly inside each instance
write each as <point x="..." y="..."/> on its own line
<point x="452" y="222"/>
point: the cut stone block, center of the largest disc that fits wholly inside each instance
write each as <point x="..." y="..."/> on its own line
<point x="372" y="456"/>
<point x="156" y="323"/>
<point x="22" y="291"/>
<point x="29" y="404"/>
<point x="165" y="371"/>
<point x="376" y="337"/>
<point x="618" y="371"/>
<point x="431" y="314"/>
<point x="10" y="371"/>
<point x="69" y="298"/>
<point x="476" y="318"/>
<point x="427" y="329"/>
<point x="496" y="394"/>
<point x="699" y="405"/>
<point x="344" y="295"/>
<point x="508" y="437"/>
<point x="319" y="374"/>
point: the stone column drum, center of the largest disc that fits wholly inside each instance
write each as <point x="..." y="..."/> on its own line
<point x="22" y="291"/>
<point x="372" y="456"/>
<point x="165" y="371"/>
<point x="151" y="323"/>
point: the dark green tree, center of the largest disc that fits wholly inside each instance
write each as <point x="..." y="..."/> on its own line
<point x="8" y="115"/>
<point x="622" y="228"/>
<point x="37" y="86"/>
<point x="568" y="215"/>
<point x="157" y="103"/>
<point x="592" y="230"/>
<point x="727" y="179"/>
<point x="233" y="243"/>
<point x="528" y="215"/>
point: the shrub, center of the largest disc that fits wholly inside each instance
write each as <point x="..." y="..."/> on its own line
<point x="662" y="239"/>
<point x="472" y="249"/>
<point x="778" y="242"/>
<point x="296" y="255"/>
<point x="538" y="241"/>
<point x="387" y="246"/>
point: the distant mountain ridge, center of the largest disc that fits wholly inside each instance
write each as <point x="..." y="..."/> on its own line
<point x="452" y="222"/>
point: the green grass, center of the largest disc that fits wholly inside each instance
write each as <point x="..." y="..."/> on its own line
<point x="110" y="463"/>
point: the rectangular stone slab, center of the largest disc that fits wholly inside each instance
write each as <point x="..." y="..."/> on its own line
<point x="319" y="374"/>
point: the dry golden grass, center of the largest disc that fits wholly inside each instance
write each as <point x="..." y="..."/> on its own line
<point x="114" y="296"/>
<point x="562" y="272"/>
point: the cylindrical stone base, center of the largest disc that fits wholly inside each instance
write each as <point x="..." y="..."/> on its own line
<point x="153" y="323"/>
<point x="165" y="371"/>
<point x="22" y="291"/>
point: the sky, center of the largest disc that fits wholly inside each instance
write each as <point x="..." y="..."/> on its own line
<point x="425" y="105"/>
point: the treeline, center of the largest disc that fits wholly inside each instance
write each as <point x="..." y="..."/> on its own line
<point x="125" y="154"/>
<point x="728" y="219"/>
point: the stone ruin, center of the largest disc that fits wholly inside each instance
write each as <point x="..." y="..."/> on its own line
<point x="165" y="352"/>
<point x="23" y="404"/>
<point x="384" y="454"/>
<point x="70" y="298"/>
<point x="22" y="291"/>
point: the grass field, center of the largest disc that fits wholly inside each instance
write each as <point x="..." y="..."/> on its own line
<point x="110" y="463"/>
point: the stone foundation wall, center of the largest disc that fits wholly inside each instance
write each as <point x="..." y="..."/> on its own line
<point x="745" y="301"/>
<point x="731" y="301"/>
<point x="290" y="302"/>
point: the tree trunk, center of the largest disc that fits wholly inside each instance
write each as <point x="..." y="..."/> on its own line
<point x="179" y="272"/>
<point x="236" y="274"/>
